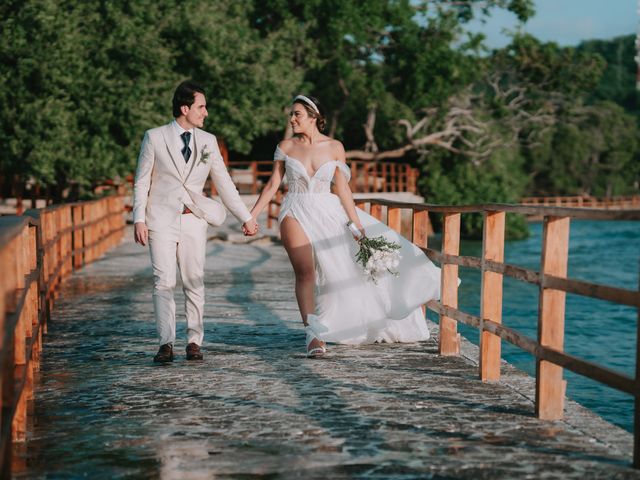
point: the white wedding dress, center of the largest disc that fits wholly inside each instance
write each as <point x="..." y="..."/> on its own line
<point x="350" y="308"/>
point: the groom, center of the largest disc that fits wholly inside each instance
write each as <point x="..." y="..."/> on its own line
<point x="171" y="214"/>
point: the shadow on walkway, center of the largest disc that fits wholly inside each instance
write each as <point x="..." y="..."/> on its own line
<point x="256" y="406"/>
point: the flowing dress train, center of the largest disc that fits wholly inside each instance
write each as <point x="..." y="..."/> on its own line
<point x="350" y="308"/>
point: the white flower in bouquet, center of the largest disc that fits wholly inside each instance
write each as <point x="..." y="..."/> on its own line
<point x="378" y="256"/>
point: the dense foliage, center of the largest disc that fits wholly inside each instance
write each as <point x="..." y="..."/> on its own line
<point x="81" y="81"/>
<point x="617" y="84"/>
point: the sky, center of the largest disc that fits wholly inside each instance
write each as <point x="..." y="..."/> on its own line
<point x="566" y="22"/>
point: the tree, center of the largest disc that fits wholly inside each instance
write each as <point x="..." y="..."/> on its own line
<point x="249" y="77"/>
<point x="593" y="151"/>
<point x="83" y="79"/>
<point x="388" y="59"/>
<point x="618" y="83"/>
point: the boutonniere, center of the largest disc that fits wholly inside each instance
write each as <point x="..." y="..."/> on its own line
<point x="205" y="153"/>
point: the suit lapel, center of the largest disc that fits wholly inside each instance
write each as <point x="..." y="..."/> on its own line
<point x="172" y="148"/>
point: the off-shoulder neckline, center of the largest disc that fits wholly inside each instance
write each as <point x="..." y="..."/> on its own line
<point x="302" y="164"/>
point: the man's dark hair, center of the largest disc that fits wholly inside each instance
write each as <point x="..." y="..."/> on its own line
<point x="184" y="95"/>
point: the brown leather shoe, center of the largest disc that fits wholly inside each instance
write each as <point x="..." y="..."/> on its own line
<point x="194" y="352"/>
<point x="165" y="354"/>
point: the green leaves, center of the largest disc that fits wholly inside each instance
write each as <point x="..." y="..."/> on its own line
<point x="81" y="92"/>
<point x="81" y="81"/>
<point x="594" y="152"/>
<point x="248" y="77"/>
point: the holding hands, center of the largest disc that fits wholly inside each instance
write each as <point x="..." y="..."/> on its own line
<point x="250" y="227"/>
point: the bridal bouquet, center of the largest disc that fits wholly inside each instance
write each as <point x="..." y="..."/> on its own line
<point x="378" y="256"/>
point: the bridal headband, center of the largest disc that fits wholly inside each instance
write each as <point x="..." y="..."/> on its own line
<point x="308" y="101"/>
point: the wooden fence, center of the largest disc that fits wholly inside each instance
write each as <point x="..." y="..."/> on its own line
<point x="553" y="286"/>
<point x="37" y="251"/>
<point x="366" y="176"/>
<point x="608" y="203"/>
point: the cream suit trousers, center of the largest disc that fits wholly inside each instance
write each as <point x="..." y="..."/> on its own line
<point x="181" y="245"/>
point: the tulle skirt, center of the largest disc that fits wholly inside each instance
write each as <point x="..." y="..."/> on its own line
<point x="350" y="307"/>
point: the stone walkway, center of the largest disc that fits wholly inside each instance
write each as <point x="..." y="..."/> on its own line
<point x="257" y="408"/>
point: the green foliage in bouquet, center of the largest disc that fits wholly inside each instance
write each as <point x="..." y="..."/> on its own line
<point x="378" y="255"/>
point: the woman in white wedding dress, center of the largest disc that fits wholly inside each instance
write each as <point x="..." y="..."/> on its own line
<point x="337" y="302"/>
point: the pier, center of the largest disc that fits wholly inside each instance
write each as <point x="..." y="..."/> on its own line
<point x="93" y="403"/>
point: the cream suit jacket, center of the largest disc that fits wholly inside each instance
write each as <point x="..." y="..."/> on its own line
<point x="165" y="183"/>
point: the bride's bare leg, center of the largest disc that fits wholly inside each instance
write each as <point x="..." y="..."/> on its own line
<point x="300" y="253"/>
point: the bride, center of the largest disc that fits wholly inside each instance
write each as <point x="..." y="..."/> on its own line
<point x="337" y="302"/>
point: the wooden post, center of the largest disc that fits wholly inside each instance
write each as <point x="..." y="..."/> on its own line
<point x="8" y="396"/>
<point x="269" y="214"/>
<point x="550" y="387"/>
<point x="77" y="236"/>
<point x="421" y="228"/>
<point x="273" y="209"/>
<point x="394" y="177"/>
<point x="385" y="183"/>
<point x="491" y="296"/>
<point x="366" y="179"/>
<point x="68" y="250"/>
<point x="376" y="211"/>
<point x="254" y="171"/>
<point x="19" y="426"/>
<point x="354" y="175"/>
<point x="449" y="337"/>
<point x="35" y="295"/>
<point x="99" y="228"/>
<point x="394" y="219"/>
<point x="89" y="237"/>
<point x="104" y="227"/>
<point x="420" y="231"/>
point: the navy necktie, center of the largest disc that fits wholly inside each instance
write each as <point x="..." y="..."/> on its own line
<point x="186" y="151"/>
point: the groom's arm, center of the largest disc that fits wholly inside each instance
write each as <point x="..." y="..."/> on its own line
<point x="229" y="193"/>
<point x="141" y="187"/>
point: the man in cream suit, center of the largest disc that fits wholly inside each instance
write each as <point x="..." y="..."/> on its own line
<point x="171" y="214"/>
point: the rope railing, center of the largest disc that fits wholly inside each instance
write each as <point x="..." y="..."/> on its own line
<point x="37" y="252"/>
<point x="551" y="280"/>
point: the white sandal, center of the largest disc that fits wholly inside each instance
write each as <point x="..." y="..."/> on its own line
<point x="311" y="336"/>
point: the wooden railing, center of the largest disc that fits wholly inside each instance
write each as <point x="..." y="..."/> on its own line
<point x="37" y="251"/>
<point x="366" y="177"/>
<point x="630" y="202"/>
<point x="551" y="279"/>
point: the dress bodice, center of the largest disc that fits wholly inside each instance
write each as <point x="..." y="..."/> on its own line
<point x="300" y="181"/>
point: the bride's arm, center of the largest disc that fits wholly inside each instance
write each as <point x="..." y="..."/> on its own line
<point x="343" y="191"/>
<point x="269" y="189"/>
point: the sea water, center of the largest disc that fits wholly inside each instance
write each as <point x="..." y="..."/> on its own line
<point x="604" y="252"/>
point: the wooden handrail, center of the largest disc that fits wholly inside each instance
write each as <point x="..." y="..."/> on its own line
<point x="583" y="367"/>
<point x="551" y="280"/>
<point x="627" y="202"/>
<point x="37" y="251"/>
<point x="365" y="176"/>
<point x="573" y="212"/>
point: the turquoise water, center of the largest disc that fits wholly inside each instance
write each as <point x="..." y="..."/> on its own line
<point x="595" y="330"/>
